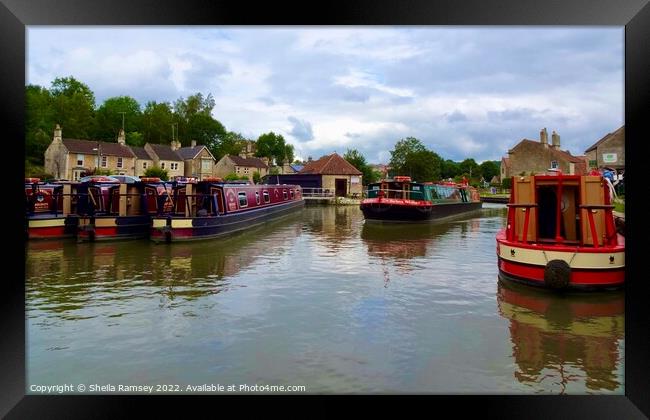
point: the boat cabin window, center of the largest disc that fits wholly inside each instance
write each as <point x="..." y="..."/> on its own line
<point x="243" y="200"/>
<point x="257" y="197"/>
<point x="266" y="196"/>
<point x="291" y="192"/>
<point x="284" y="194"/>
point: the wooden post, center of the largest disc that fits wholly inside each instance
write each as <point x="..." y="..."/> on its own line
<point x="67" y="199"/>
<point x="188" y="205"/>
<point x="122" y="205"/>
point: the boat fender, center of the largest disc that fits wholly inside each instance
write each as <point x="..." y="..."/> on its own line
<point x="557" y="274"/>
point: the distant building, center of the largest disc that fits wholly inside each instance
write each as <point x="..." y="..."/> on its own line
<point x="198" y="160"/>
<point x="530" y="156"/>
<point x="608" y="151"/>
<point x="239" y="165"/>
<point x="337" y="174"/>
<point x="143" y="160"/>
<point x="166" y="157"/>
<point x="72" y="158"/>
<point x="381" y="168"/>
<point x="506" y="172"/>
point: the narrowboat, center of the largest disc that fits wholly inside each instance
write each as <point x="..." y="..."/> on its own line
<point x="561" y="234"/>
<point x="109" y="209"/>
<point x="402" y="200"/>
<point x="49" y="210"/>
<point x="211" y="207"/>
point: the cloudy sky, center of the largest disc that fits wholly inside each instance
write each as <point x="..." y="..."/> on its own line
<point x="463" y="91"/>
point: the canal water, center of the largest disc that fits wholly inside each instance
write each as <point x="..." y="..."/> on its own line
<point x="319" y="299"/>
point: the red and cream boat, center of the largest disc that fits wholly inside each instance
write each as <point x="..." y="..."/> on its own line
<point x="569" y="242"/>
<point x="49" y="210"/>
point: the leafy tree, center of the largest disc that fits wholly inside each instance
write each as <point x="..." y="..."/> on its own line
<point x="230" y="144"/>
<point x="449" y="169"/>
<point x="257" y="177"/>
<point x="470" y="168"/>
<point x="359" y="161"/>
<point x="506" y="183"/>
<point x="489" y="169"/>
<point x="410" y="157"/>
<point x="156" y="123"/>
<point x="74" y="107"/>
<point x="274" y="147"/>
<point x="109" y="119"/>
<point x="39" y="122"/>
<point x="234" y="177"/>
<point x="204" y="129"/>
<point x="158" y="172"/>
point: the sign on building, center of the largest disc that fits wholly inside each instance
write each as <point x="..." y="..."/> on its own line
<point x="609" y="157"/>
<point x="354" y="180"/>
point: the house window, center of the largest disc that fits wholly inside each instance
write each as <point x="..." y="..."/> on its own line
<point x="206" y="165"/>
<point x="174" y="166"/>
<point x="119" y="162"/>
<point x="80" y="160"/>
<point x="104" y="161"/>
<point x="257" y="197"/>
<point x="266" y="196"/>
<point x="162" y="165"/>
<point x="76" y="175"/>
<point x="554" y="164"/>
<point x="237" y="169"/>
<point x="246" y="170"/>
<point x="243" y="201"/>
<point x="144" y="165"/>
<point x="284" y="194"/>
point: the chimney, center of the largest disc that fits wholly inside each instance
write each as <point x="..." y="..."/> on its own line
<point x="265" y="160"/>
<point x="175" y="145"/>
<point x="57" y="135"/>
<point x="543" y="137"/>
<point x="121" y="139"/>
<point x="193" y="143"/>
<point x="556" y="140"/>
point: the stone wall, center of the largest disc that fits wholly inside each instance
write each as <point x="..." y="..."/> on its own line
<point x="530" y="157"/>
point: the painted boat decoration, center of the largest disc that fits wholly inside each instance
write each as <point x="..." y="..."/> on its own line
<point x="49" y="210"/>
<point x="109" y="209"/>
<point x="402" y="200"/>
<point x="566" y="243"/>
<point x="211" y="207"/>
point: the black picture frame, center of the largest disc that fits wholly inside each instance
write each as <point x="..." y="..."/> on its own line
<point x="15" y="15"/>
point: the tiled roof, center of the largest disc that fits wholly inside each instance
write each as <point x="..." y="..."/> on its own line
<point x="330" y="165"/>
<point x="140" y="152"/>
<point x="251" y="162"/>
<point x="189" y="152"/>
<point x="580" y="163"/>
<point x="105" y="148"/>
<point x="165" y="152"/>
<point x="619" y="132"/>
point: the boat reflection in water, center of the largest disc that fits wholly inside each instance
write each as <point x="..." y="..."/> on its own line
<point x="560" y="341"/>
<point x="75" y="281"/>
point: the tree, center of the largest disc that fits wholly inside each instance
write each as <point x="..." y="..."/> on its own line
<point x="274" y="147"/>
<point x="156" y="122"/>
<point x="230" y="144"/>
<point x="74" y="107"/>
<point x="194" y="119"/>
<point x="112" y="112"/>
<point x="470" y="168"/>
<point x="157" y="172"/>
<point x="234" y="177"/>
<point x="490" y="169"/>
<point x="39" y="122"/>
<point x="449" y="169"/>
<point x="410" y="157"/>
<point x="257" y="177"/>
<point x="357" y="160"/>
<point x="506" y="183"/>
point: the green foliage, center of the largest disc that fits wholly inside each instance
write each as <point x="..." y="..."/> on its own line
<point x="506" y="183"/>
<point x="359" y="161"/>
<point x="156" y="122"/>
<point x="108" y="118"/>
<point x="470" y="168"/>
<point x="230" y="144"/>
<point x="490" y="169"/>
<point x="257" y="177"/>
<point x="410" y="157"/>
<point x="73" y="104"/>
<point x="274" y="147"/>
<point x="234" y="177"/>
<point x="449" y="169"/>
<point x="158" y="172"/>
<point x="274" y="171"/>
<point x="36" y="171"/>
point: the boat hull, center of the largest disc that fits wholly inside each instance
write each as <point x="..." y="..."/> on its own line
<point x="175" y="229"/>
<point x="382" y="211"/>
<point x="561" y="266"/>
<point x="102" y="228"/>
<point x="51" y="227"/>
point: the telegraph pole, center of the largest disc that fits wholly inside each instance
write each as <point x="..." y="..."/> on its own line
<point x="122" y="119"/>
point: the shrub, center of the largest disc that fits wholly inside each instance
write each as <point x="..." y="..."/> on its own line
<point x="506" y="183"/>
<point x="157" y="172"/>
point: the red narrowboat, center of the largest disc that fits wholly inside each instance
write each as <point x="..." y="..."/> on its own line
<point x="49" y="210"/>
<point x="211" y="207"/>
<point x="561" y="234"/>
<point x="109" y="209"/>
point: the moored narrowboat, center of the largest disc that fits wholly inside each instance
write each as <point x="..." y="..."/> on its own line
<point x="109" y="209"/>
<point x="211" y="207"/>
<point x="402" y="200"/>
<point x="561" y="234"/>
<point x="49" y="210"/>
